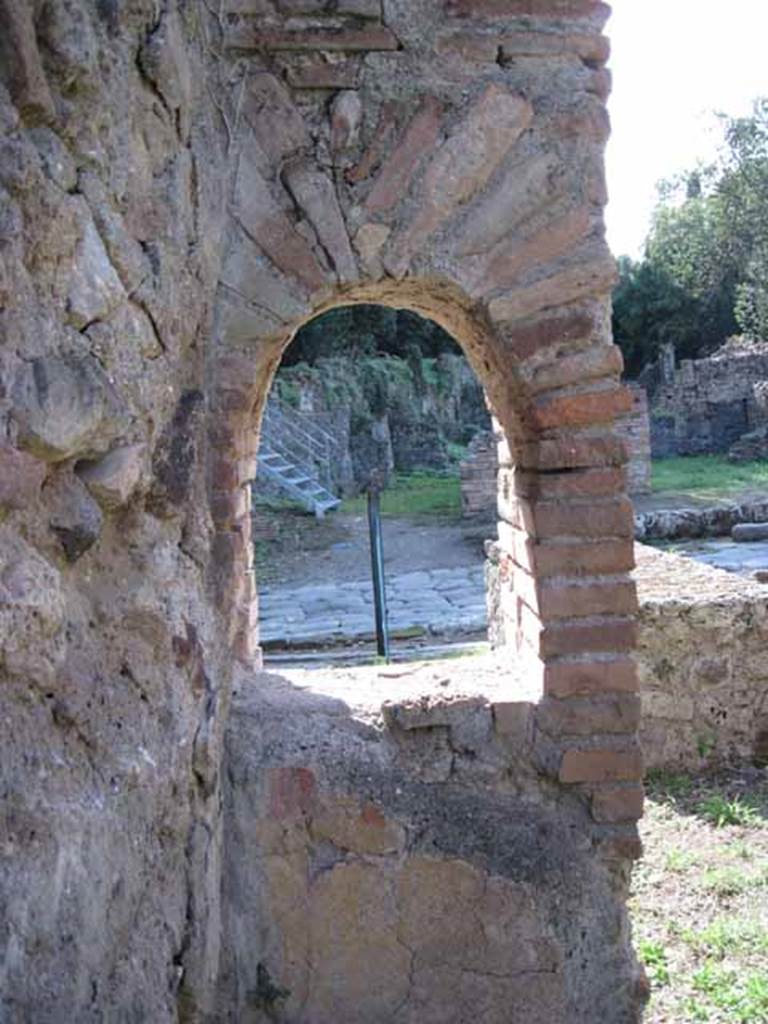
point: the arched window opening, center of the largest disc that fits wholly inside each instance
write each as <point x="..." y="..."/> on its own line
<point x="369" y="396"/>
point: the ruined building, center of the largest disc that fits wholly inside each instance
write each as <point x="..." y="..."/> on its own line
<point x="182" y="838"/>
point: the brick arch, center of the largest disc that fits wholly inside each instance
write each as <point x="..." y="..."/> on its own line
<point x="448" y="159"/>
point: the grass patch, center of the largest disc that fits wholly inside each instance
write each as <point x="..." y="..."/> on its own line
<point x="728" y="995"/>
<point x="729" y="881"/>
<point x="699" y="904"/>
<point x="707" y="475"/>
<point x="415" y="494"/>
<point x="654" y="956"/>
<point x="720" y="811"/>
<point x="728" y="937"/>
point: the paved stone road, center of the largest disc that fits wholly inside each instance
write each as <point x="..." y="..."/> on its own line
<point x="434" y="602"/>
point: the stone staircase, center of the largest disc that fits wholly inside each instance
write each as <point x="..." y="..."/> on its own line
<point x="295" y="455"/>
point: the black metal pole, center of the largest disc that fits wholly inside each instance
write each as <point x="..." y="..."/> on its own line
<point x="377" y="572"/>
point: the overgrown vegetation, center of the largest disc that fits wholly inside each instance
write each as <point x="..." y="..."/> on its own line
<point x="700" y="899"/>
<point x="708" y="476"/>
<point x="704" y="274"/>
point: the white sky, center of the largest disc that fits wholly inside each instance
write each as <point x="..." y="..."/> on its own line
<point x="673" y="63"/>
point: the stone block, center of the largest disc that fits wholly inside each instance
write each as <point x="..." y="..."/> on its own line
<point x="318" y="73"/>
<point x="561" y="330"/>
<point x="519" y="253"/>
<point x="598" y="636"/>
<point x="587" y="716"/>
<point x="21" y="477"/>
<point x="594" y="49"/>
<point x="114" y="478"/>
<point x="567" y="600"/>
<point x="602" y="482"/>
<point x="346" y="114"/>
<point x="505" y="9"/>
<point x="21" y="66"/>
<point x="346" y="40"/>
<point x="613" y="805"/>
<point x="581" y="410"/>
<point x="583" y="678"/>
<point x="417" y="141"/>
<point x="65" y="407"/>
<point x="573" y="453"/>
<point x="75" y="517"/>
<point x="566" y="370"/>
<point x="315" y="194"/>
<point x="747" y="532"/>
<point x="594" y="273"/>
<point x="601" y="765"/>
<point x="95" y="290"/>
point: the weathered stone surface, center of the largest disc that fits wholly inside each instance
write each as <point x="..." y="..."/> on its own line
<point x="113" y="479"/>
<point x="75" y="517"/>
<point x="95" y="289"/>
<point x="314" y="193"/>
<point x="750" y="531"/>
<point x="594" y="274"/>
<point x="346" y="114"/>
<point x="462" y="167"/>
<point x="64" y="407"/>
<point x="21" y="477"/>
<point x="163" y="59"/>
<point x="20" y="63"/>
<point x="396" y="173"/>
<point x="261" y="218"/>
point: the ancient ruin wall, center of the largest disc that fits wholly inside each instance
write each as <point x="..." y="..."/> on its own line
<point x="705" y="405"/>
<point x="113" y="670"/>
<point x="183" y="187"/>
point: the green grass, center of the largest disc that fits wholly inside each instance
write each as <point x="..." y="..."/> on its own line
<point x="720" y="811"/>
<point x="654" y="956"/>
<point x="728" y="937"/>
<point x="741" y="997"/>
<point x="708" y="475"/>
<point x="415" y="494"/>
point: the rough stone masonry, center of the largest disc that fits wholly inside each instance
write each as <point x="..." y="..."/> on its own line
<point x="182" y="185"/>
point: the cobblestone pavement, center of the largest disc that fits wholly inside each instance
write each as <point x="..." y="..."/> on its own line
<point x="436" y="602"/>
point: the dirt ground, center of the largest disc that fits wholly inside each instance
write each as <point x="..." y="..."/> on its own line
<point x="336" y="549"/>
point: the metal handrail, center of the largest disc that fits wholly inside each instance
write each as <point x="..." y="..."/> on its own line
<point x="298" y="439"/>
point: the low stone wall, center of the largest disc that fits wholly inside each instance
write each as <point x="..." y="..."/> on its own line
<point x="702" y="663"/>
<point x="395" y="850"/>
<point x="703" y="671"/>
<point x="690" y="523"/>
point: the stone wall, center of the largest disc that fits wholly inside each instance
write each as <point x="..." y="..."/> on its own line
<point x="477" y="478"/>
<point x="701" y="656"/>
<point x="113" y="668"/>
<point x="702" y="635"/>
<point x="183" y="186"/>
<point x="635" y="430"/>
<point x="705" y="405"/>
<point x="383" y="859"/>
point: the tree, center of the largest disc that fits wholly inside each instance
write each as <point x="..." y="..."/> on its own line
<point x="704" y="274"/>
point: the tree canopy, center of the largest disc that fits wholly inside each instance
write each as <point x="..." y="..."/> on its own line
<point x="704" y="273"/>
